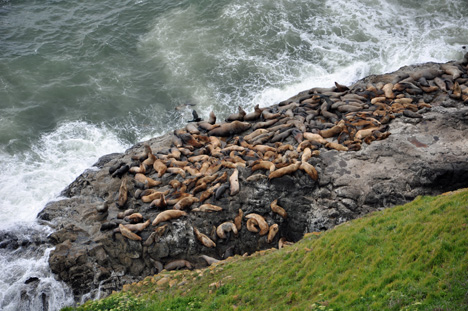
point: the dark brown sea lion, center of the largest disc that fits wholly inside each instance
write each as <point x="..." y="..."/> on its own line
<point x="230" y="129"/>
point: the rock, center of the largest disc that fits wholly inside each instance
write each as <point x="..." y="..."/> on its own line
<point x="424" y="155"/>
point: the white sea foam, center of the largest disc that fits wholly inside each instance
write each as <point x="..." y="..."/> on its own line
<point x="29" y="180"/>
<point x="261" y="52"/>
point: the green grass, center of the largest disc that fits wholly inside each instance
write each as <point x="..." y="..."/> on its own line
<point x="411" y="257"/>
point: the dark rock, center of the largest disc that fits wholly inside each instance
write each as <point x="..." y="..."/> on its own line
<point x="426" y="154"/>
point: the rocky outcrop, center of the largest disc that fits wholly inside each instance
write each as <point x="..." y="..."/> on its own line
<point x="331" y="155"/>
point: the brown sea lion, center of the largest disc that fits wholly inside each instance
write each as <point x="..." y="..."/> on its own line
<point x="252" y="225"/>
<point x="159" y="167"/>
<point x="239" y="116"/>
<point x="185" y="203"/>
<point x="263" y="165"/>
<point x="123" y="193"/>
<point x="230" y="129"/>
<point x="283" y="243"/>
<point x="238" y="220"/>
<point x="138" y="169"/>
<point x="253" y="115"/>
<point x="278" y="209"/>
<point x="212" y="118"/>
<point x="284" y="170"/>
<point x="272" y="232"/>
<point x="209" y="260"/>
<point x="207" y="208"/>
<point x="204" y="239"/>
<point x="159" y="202"/>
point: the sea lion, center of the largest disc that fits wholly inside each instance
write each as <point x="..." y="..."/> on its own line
<point x="204" y="239"/>
<point x="268" y="123"/>
<point x="123" y="194"/>
<point x="254" y="134"/>
<point x="284" y="170"/>
<point x="121" y="171"/>
<point x="230" y="129"/>
<point x="125" y="213"/>
<point x="225" y="227"/>
<point x="253" y="115"/>
<point x="261" y="222"/>
<point x="176" y="170"/>
<point x="252" y="225"/>
<point x="128" y="234"/>
<point x="264" y="165"/>
<point x="138" y="169"/>
<point x="209" y="260"/>
<point x="239" y="116"/>
<point x="138" y="227"/>
<point x="234" y="183"/>
<point x="192" y="128"/>
<point x="336" y="146"/>
<point x="272" y="232"/>
<point x="238" y="220"/>
<point x="220" y="191"/>
<point x="278" y="209"/>
<point x="185" y="202"/>
<point x="168" y="215"/>
<point x="153" y="195"/>
<point x="315" y="138"/>
<point x="159" y="167"/>
<point x="267" y="115"/>
<point x="283" y="242"/>
<point x="134" y="218"/>
<point x="212" y="118"/>
<point x="207" y="126"/>
<point x="159" y="202"/>
<point x="207" y="208"/>
<point x="178" y="264"/>
<point x="306" y="154"/>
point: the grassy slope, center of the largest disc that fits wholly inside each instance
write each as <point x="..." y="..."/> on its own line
<point x="411" y="257"/>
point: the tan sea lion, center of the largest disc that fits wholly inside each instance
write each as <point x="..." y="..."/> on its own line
<point x="254" y="134"/>
<point x="185" y="203"/>
<point x="234" y="183"/>
<point x="159" y="202"/>
<point x="128" y="234"/>
<point x="315" y="137"/>
<point x="153" y="195"/>
<point x="159" y="167"/>
<point x="336" y="146"/>
<point x="264" y="165"/>
<point x="278" y="209"/>
<point x="168" y="215"/>
<point x="207" y="208"/>
<point x="310" y="170"/>
<point x="306" y="154"/>
<point x="284" y="170"/>
<point x="272" y="232"/>
<point x="252" y="225"/>
<point x="176" y="170"/>
<point x="261" y="222"/>
<point x="283" y="242"/>
<point x="138" y="227"/>
<point x="134" y="218"/>
<point x="178" y="264"/>
<point x="204" y="239"/>
<point x="225" y="227"/>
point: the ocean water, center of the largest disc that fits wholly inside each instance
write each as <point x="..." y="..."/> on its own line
<point x="82" y="79"/>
